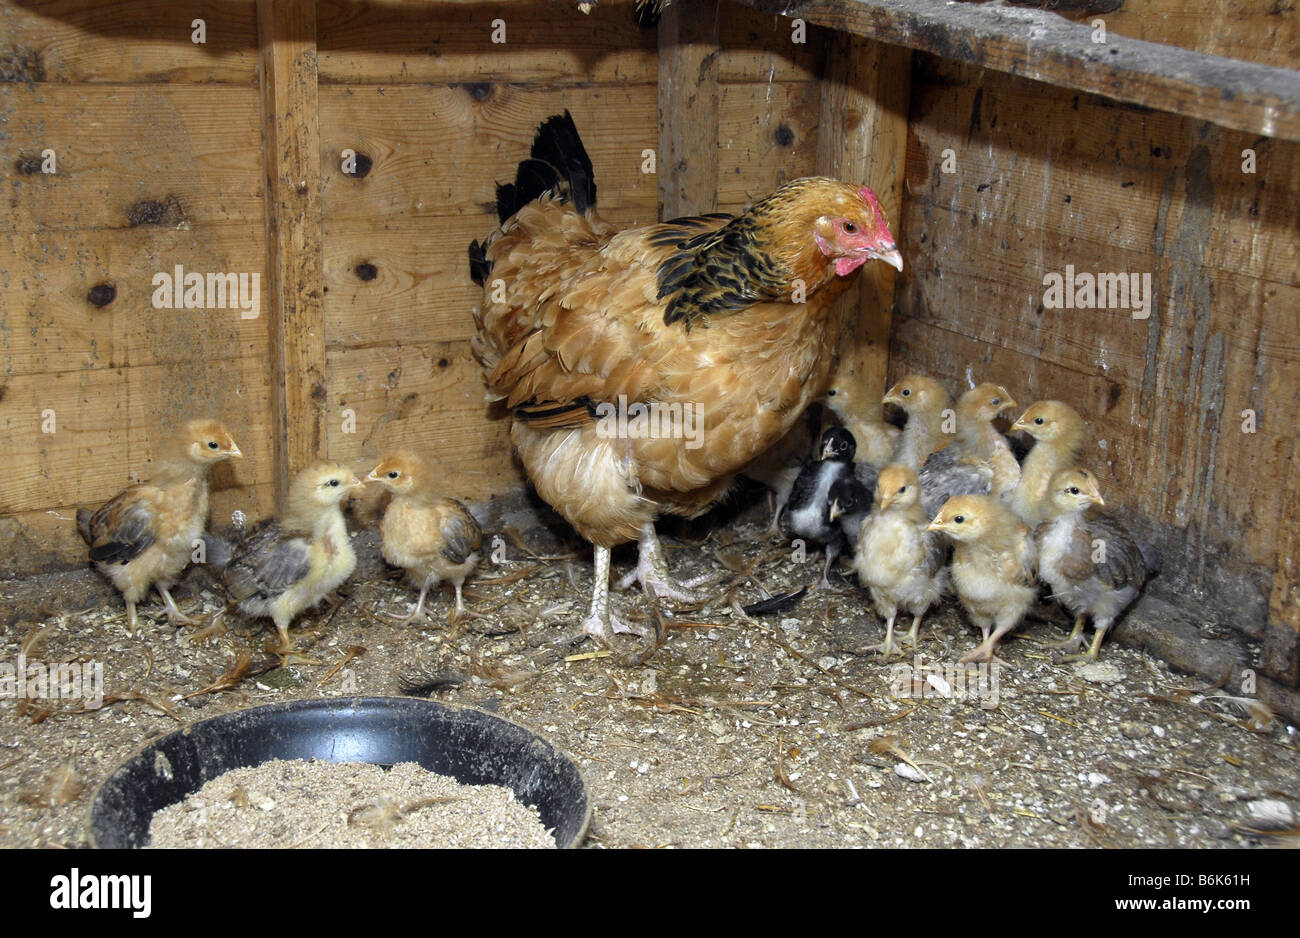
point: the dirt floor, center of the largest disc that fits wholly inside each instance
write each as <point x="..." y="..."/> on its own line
<point x="779" y="730"/>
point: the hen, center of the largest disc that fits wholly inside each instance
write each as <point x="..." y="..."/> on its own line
<point x="992" y="565"/>
<point x="898" y="559"/>
<point x="289" y="564"/>
<point x="717" y="332"/>
<point x="145" y="536"/>
<point x="1059" y="434"/>
<point x="1092" y="564"/>
<point x="433" y="539"/>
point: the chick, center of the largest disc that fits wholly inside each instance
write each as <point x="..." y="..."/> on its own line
<point x="898" y="559"/>
<point x="807" y="511"/>
<point x="1092" y="564"/>
<point x="145" y="535"/>
<point x="992" y="565"/>
<point x="927" y="405"/>
<point x="778" y="468"/>
<point x="979" y="461"/>
<point x="288" y="564"/>
<point x="1059" y="434"/>
<point x="850" y="500"/>
<point x="433" y="539"/>
<point x="858" y="411"/>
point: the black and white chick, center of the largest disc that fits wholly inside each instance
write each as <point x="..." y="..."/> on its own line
<point x="807" y="514"/>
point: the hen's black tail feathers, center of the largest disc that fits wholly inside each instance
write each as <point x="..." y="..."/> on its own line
<point x="558" y="164"/>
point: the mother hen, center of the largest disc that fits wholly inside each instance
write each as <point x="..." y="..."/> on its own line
<point x="721" y="328"/>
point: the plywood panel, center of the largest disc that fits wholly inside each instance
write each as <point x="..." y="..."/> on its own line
<point x="193" y="150"/>
<point x="128" y="41"/>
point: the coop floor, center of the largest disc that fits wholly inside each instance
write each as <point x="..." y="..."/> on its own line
<point x="732" y="733"/>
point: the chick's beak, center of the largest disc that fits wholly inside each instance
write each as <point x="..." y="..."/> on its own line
<point x="828" y="451"/>
<point x="834" y="510"/>
<point x="935" y="525"/>
<point x="1009" y="404"/>
<point x="235" y="452"/>
<point x="355" y="483"/>
<point x="1020" y="425"/>
<point x="374" y="475"/>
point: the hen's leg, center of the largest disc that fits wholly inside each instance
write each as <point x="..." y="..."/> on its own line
<point x="174" y="614"/>
<point x="601" y="624"/>
<point x="652" y="571"/>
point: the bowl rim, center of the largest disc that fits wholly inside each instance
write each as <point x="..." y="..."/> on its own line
<point x="576" y="841"/>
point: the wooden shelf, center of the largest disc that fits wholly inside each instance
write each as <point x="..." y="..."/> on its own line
<point x="1046" y="47"/>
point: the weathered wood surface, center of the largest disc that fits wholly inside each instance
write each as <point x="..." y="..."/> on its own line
<point x="688" y="109"/>
<point x="1037" y="44"/>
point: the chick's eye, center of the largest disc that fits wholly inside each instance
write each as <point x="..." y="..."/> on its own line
<point x="393" y="474"/>
<point x="907" y="392"/>
<point x="849" y="227"/>
<point x="334" y="483"/>
<point x="902" y="490"/>
<point x="960" y="519"/>
<point x="1038" y="421"/>
<point x="212" y="444"/>
<point x="830" y="393"/>
<point x="997" y="401"/>
<point x="1074" y="490"/>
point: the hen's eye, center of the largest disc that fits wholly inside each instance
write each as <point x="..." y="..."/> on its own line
<point x="960" y="519"/>
<point x="1038" y="421"/>
<point x="849" y="227"/>
<point x="334" y="483"/>
<point x="212" y="444"/>
<point x="393" y="474"/>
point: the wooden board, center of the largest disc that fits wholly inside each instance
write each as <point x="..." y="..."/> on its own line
<point x="195" y="150"/>
<point x="767" y="135"/>
<point x="688" y="109"/>
<point x="128" y="41"/>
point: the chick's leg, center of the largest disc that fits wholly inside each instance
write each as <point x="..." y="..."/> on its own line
<point x="1098" y="634"/>
<point x="652" y="571"/>
<point x="286" y="651"/>
<point x="914" y="633"/>
<point x="601" y="623"/>
<point x="886" y="648"/>
<point x="174" y="614"/>
<point x="984" y="652"/>
<point x="1075" y="638"/>
<point x="415" y="613"/>
<point x="834" y="547"/>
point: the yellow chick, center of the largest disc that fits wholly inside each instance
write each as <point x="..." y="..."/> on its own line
<point x="857" y="409"/>
<point x="1059" y="434"/>
<point x="927" y="405"/>
<point x="433" y="539"/>
<point x="898" y="559"/>
<point x="289" y="564"/>
<point x="992" y="565"/>
<point x="1092" y="564"/>
<point x="145" y="536"/>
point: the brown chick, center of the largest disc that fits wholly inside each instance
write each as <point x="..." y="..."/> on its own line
<point x="733" y="318"/>
<point x="992" y="566"/>
<point x="289" y="564"/>
<point x="1059" y="435"/>
<point x="925" y="401"/>
<point x="433" y="539"/>
<point x="145" y="535"/>
<point x="857" y="409"/>
<point x="898" y="559"/>
<point x="1092" y="564"/>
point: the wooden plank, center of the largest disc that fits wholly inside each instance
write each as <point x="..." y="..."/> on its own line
<point x="1043" y="46"/>
<point x="191" y="149"/>
<point x="688" y="109"/>
<point x="49" y="325"/>
<point x="438" y="151"/>
<point x="295" y="298"/>
<point x="405" y="43"/>
<point x="135" y="41"/>
<point x="427" y="397"/>
<point x="762" y="47"/>
<point x="863" y="139"/>
<point x="767" y="135"/>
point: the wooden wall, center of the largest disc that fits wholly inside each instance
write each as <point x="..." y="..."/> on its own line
<point x="1046" y="177"/>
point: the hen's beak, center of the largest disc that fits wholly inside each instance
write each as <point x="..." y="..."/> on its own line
<point x="890" y="255"/>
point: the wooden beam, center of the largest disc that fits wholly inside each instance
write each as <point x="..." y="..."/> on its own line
<point x="1036" y="44"/>
<point x="862" y="138"/>
<point x="291" y="141"/>
<point x="1281" y="653"/>
<point x="688" y="109"/>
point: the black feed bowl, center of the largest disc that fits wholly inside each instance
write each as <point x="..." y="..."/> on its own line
<point x="469" y="745"/>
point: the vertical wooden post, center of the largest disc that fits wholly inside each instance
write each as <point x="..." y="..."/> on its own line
<point x="688" y="109"/>
<point x="1281" y="653"/>
<point x="295" y="270"/>
<point x="863" y="138"/>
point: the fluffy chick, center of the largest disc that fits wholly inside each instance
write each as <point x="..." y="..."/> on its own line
<point x="144" y="536"/>
<point x="925" y="401"/>
<point x="979" y="461"/>
<point x="992" y="565"/>
<point x="850" y="500"/>
<point x="858" y="411"/>
<point x="807" y="515"/>
<point x="898" y="559"/>
<point x="433" y="539"/>
<point x="1059" y="434"/>
<point x="778" y="468"/>
<point x="289" y="564"/>
<point x="1092" y="564"/>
